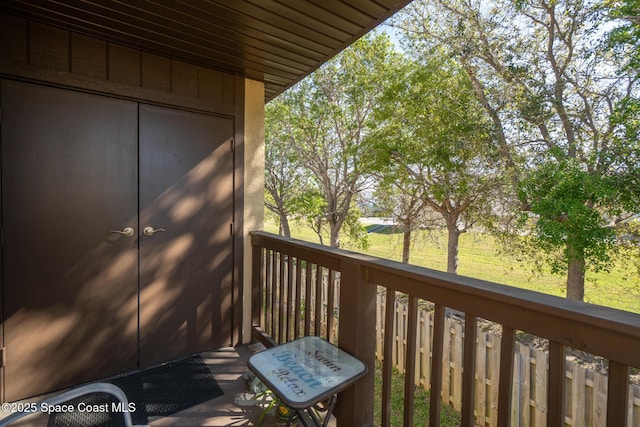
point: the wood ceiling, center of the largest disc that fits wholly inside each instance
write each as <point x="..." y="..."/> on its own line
<point x="278" y="42"/>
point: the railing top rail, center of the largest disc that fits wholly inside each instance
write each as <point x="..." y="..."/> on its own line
<point x="604" y="331"/>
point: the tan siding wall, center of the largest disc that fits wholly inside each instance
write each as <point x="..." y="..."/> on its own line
<point x="34" y="51"/>
<point x="254" y="185"/>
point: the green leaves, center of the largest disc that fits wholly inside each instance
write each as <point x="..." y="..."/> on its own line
<point x="329" y="125"/>
<point x="564" y="111"/>
<point x="567" y="202"/>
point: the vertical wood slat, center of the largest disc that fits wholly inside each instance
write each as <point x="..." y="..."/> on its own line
<point x="274" y="295"/>
<point x="379" y="325"/>
<point x="507" y="347"/>
<point x="481" y="381"/>
<point x="617" y="394"/>
<point x="600" y="400"/>
<point x="318" y="307"/>
<point x="468" y="370"/>
<point x="525" y="386"/>
<point x="516" y="380"/>
<point x="456" y="365"/>
<point x="494" y="378"/>
<point x="556" y="382"/>
<point x="410" y="372"/>
<point x="298" y="300"/>
<point x="290" y="299"/>
<point x="257" y="306"/>
<point x="578" y="391"/>
<point x="281" y="301"/>
<point x="542" y="385"/>
<point x="394" y="334"/>
<point x="268" y="294"/>
<point x="308" y="299"/>
<point x="400" y="333"/>
<point x="446" y="362"/>
<point x="436" y="366"/>
<point x="331" y="294"/>
<point x="426" y="348"/>
<point x="634" y="404"/>
<point x="389" y="314"/>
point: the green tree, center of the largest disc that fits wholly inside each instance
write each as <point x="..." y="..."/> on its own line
<point x="624" y="40"/>
<point x="330" y="122"/>
<point x="438" y="149"/>
<point x="283" y="174"/>
<point x="551" y="94"/>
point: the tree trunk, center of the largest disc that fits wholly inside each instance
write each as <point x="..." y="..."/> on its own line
<point x="285" y="230"/>
<point x="334" y="236"/>
<point x="452" y="248"/>
<point x="406" y="244"/>
<point x="575" y="273"/>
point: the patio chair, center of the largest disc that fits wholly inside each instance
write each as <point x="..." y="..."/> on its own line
<point x="73" y="394"/>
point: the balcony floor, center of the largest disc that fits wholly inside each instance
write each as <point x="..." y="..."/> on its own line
<point x="227" y="365"/>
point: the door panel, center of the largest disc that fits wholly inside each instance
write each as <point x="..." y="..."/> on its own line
<point x="186" y="188"/>
<point x="69" y="177"/>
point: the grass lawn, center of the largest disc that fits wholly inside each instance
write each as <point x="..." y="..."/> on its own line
<point x="448" y="417"/>
<point x="479" y="257"/>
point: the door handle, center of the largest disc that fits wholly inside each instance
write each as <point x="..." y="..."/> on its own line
<point x="126" y="232"/>
<point x="150" y="231"/>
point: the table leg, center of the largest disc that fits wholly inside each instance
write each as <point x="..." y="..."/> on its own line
<point x="309" y="416"/>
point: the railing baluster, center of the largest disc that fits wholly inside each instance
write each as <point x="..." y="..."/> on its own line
<point x="318" y="309"/>
<point x="387" y="363"/>
<point x="274" y="295"/>
<point x="257" y="298"/>
<point x="282" y="295"/>
<point x="468" y="370"/>
<point x="298" y="268"/>
<point x="617" y="394"/>
<point x="410" y="371"/>
<point x="307" y="298"/>
<point x="290" y="300"/>
<point x="507" y="346"/>
<point x="556" y="381"/>
<point x="331" y="293"/>
<point x="436" y="366"/>
<point x="269" y="298"/>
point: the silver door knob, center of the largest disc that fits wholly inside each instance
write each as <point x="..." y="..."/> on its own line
<point x="150" y="231"/>
<point x="126" y="232"/>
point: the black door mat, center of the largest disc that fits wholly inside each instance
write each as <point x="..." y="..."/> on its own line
<point x="155" y="392"/>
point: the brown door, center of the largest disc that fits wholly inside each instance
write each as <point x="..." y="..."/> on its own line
<point x="82" y="299"/>
<point x="186" y="195"/>
<point x="69" y="177"/>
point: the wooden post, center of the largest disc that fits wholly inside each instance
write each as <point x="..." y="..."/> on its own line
<point x="618" y="394"/>
<point x="357" y="337"/>
<point x="505" y="384"/>
<point x="556" y="381"/>
<point x="436" y="366"/>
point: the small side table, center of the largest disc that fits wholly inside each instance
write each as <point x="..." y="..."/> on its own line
<point x="304" y="372"/>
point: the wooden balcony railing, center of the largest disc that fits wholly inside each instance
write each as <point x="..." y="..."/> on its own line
<point x="288" y="274"/>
